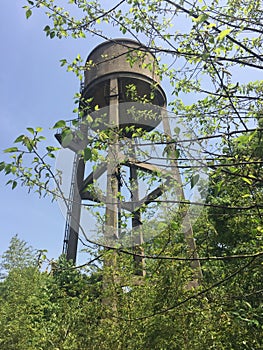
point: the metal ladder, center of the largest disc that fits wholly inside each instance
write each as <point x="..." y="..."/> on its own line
<point x="71" y="192"/>
<point x="69" y="206"/>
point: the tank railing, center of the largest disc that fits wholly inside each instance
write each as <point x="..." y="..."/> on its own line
<point x="69" y="124"/>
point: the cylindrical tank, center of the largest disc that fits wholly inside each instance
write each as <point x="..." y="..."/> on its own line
<point x="137" y="79"/>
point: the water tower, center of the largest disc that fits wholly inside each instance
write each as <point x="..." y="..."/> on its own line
<point x="121" y="75"/>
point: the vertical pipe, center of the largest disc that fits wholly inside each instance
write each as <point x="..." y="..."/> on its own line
<point x="112" y="209"/>
<point x="136" y="221"/>
<point x="112" y="165"/>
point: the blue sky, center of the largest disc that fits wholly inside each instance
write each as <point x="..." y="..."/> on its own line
<point x="34" y="91"/>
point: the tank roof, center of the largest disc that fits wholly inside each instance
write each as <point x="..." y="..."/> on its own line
<point x="123" y="42"/>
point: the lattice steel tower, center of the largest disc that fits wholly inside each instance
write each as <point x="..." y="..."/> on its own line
<point x="114" y="67"/>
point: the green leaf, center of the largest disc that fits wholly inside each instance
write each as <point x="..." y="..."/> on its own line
<point x="2" y="166"/>
<point x="177" y="130"/>
<point x="59" y="124"/>
<point x="31" y="130"/>
<point x="176" y="153"/>
<point x="194" y="180"/>
<point x="82" y="35"/>
<point x="51" y="155"/>
<point x="63" y="62"/>
<point x="19" y="139"/>
<point x="11" y="149"/>
<point x="39" y="129"/>
<point x="66" y="140"/>
<point x="14" y="184"/>
<point x="211" y="25"/>
<point x="223" y="34"/>
<point x="28" y="143"/>
<point x="248" y="181"/>
<point x="89" y="119"/>
<point x="87" y="154"/>
<point x="202" y="18"/>
<point x="246" y="195"/>
<point x="51" y="148"/>
<point x="75" y="122"/>
<point x="28" y="13"/>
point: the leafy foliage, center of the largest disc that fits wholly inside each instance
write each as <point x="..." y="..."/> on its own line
<point x="61" y="309"/>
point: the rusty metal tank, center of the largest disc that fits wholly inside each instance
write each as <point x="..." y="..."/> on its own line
<point x="134" y="69"/>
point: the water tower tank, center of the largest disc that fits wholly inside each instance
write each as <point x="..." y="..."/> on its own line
<point x="118" y="59"/>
